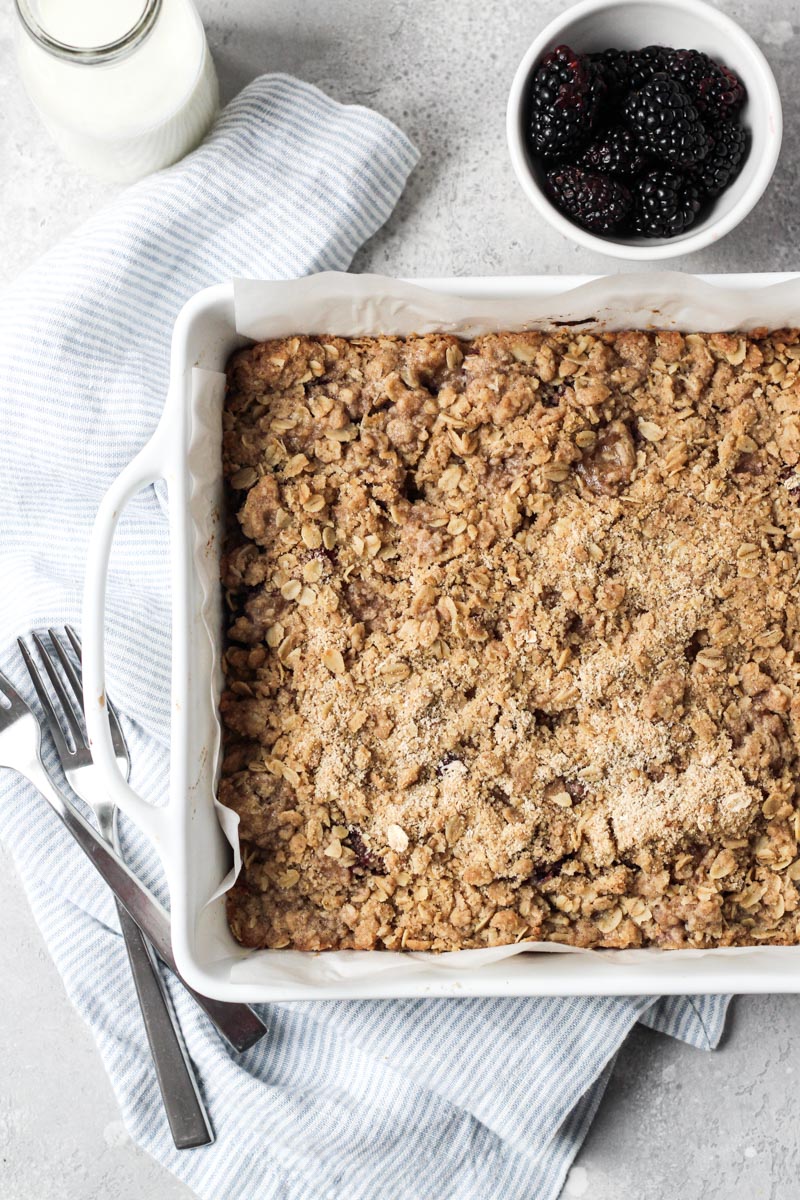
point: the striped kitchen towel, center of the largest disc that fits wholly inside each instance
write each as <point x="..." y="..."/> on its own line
<point x="471" y="1099"/>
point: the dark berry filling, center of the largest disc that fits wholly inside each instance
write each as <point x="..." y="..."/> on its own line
<point x="366" y="859"/>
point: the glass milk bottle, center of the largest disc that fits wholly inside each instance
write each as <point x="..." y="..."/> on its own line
<point x="124" y="86"/>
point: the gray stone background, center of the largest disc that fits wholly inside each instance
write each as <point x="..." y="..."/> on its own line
<point x="675" y="1121"/>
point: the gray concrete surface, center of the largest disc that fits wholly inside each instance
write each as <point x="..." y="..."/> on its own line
<point x="675" y="1122"/>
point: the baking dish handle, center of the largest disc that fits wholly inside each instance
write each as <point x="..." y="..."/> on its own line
<point x="145" y="469"/>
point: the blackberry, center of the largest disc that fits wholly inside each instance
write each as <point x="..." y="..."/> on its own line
<point x="565" y="95"/>
<point x="635" y="140"/>
<point x="666" y="122"/>
<point x="725" y="159"/>
<point x="644" y="64"/>
<point x="615" y="152"/>
<point x="715" y="91"/>
<point x="721" y="96"/>
<point x="597" y="202"/>
<point x="691" y="68"/>
<point x="615" y="68"/>
<point x="664" y="204"/>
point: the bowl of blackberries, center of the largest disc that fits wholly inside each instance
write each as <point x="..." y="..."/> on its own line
<point x="644" y="128"/>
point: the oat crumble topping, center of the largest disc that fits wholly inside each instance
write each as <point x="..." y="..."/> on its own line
<point x="513" y="640"/>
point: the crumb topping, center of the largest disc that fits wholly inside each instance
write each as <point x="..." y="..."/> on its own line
<point x="512" y="640"/>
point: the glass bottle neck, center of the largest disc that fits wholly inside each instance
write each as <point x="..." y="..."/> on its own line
<point x="35" y="26"/>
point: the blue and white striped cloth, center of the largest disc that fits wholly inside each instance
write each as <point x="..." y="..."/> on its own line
<point x="412" y="1100"/>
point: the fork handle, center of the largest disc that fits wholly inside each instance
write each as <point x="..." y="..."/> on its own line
<point x="188" y="1120"/>
<point x="237" y="1023"/>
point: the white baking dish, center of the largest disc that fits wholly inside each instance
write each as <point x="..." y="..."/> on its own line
<point x="184" y="451"/>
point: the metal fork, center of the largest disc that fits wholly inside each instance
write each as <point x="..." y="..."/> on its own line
<point x="238" y="1023"/>
<point x="20" y="750"/>
<point x="186" y="1114"/>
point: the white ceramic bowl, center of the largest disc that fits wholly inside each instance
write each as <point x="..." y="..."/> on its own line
<point x="629" y="25"/>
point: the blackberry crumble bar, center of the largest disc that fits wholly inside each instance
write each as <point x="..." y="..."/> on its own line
<point x="513" y="640"/>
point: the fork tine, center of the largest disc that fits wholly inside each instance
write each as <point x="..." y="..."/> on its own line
<point x="70" y="716"/>
<point x="75" y="642"/>
<point x="56" y="731"/>
<point x="68" y="666"/>
<point x="16" y="705"/>
<point x="117" y="735"/>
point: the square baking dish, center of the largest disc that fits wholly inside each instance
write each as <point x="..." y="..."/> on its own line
<point x="193" y="835"/>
